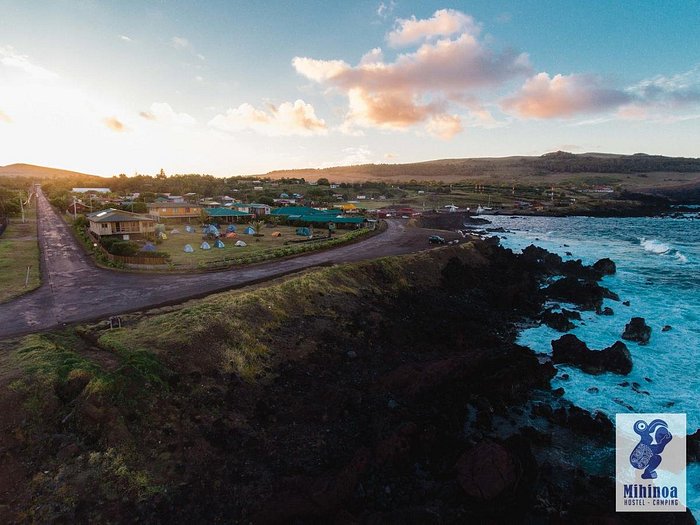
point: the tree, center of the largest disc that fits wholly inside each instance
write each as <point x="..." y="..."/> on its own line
<point x="258" y="226"/>
<point x="323" y="182"/>
<point x="266" y="200"/>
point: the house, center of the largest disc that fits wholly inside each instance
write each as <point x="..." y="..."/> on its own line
<point x="117" y="222"/>
<point x="174" y="210"/>
<point x="95" y="190"/>
<point x="254" y="208"/>
<point x="227" y="215"/>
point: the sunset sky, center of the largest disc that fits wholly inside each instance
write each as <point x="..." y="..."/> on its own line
<point x="229" y="88"/>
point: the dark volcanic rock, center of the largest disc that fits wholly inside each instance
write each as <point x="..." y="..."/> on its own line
<point x="557" y="320"/>
<point x="607" y="311"/>
<point x="693" y="446"/>
<point x="571" y="350"/>
<point x="587" y="294"/>
<point x="666" y="328"/>
<point x="637" y="330"/>
<point x="605" y="266"/>
<point x="487" y="471"/>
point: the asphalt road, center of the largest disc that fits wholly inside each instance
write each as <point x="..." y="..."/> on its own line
<point x="74" y="289"/>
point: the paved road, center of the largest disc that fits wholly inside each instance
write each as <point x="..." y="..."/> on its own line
<point x="74" y="289"/>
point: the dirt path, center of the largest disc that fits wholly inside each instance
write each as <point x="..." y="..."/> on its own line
<point x="74" y="289"/>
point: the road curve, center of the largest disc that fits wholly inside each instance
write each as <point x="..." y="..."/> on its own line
<point x="74" y="289"/>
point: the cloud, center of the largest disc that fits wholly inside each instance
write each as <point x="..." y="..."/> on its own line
<point x="563" y="96"/>
<point x="419" y="86"/>
<point x="676" y="91"/>
<point x="319" y="70"/>
<point x="445" y="22"/>
<point x="164" y="113"/>
<point x="115" y="124"/>
<point x="11" y="59"/>
<point x="390" y="156"/>
<point x="179" y="42"/>
<point x="444" y="126"/>
<point x="298" y="118"/>
<point x="4" y="117"/>
<point x="125" y="38"/>
<point x="385" y="9"/>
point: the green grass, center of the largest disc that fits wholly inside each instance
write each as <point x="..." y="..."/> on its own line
<point x="19" y="248"/>
<point x="258" y="249"/>
<point x="175" y="244"/>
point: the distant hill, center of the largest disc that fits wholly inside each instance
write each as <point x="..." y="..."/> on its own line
<point x="634" y="171"/>
<point x="42" y="172"/>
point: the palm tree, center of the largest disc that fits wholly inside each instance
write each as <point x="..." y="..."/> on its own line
<point x="257" y="225"/>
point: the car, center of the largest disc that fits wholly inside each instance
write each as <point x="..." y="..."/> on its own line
<point x="436" y="239"/>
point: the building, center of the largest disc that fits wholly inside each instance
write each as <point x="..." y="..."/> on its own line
<point x="95" y="190"/>
<point x="175" y="211"/>
<point x="117" y="222"/>
<point x="255" y="209"/>
<point x="227" y="215"/>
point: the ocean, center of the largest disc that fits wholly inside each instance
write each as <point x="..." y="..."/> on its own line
<point x="658" y="272"/>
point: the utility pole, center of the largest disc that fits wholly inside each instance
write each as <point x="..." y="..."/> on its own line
<point x="21" y="205"/>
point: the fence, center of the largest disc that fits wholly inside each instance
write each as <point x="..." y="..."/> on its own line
<point x="3" y="224"/>
<point x="124" y="259"/>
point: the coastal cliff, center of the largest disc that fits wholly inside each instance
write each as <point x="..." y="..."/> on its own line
<point x="389" y="391"/>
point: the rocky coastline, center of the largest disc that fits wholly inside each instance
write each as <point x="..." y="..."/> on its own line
<point x="390" y="391"/>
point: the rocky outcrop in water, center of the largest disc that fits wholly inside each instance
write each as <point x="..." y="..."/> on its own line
<point x="569" y="349"/>
<point x="637" y="330"/>
<point x="605" y="267"/>
<point x="588" y="295"/>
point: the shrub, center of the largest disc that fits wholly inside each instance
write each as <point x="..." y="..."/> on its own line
<point x="125" y="248"/>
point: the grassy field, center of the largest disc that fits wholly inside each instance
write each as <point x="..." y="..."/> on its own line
<point x="19" y="249"/>
<point x="175" y="244"/>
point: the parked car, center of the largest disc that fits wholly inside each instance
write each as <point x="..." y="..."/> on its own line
<point x="436" y="239"/>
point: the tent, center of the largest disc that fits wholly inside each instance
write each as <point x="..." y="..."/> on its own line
<point x="240" y="243"/>
<point x="188" y="248"/>
<point x="231" y="235"/>
<point x="210" y="229"/>
<point x="249" y="231"/>
<point x="277" y="234"/>
<point x="189" y="229"/>
<point x="148" y="248"/>
<point x="205" y="246"/>
<point x="218" y="244"/>
<point x="174" y="231"/>
<point x="304" y="231"/>
<point x="231" y="228"/>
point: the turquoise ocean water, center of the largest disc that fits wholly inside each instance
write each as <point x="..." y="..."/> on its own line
<point x="658" y="272"/>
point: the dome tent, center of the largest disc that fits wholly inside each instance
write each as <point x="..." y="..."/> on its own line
<point x="231" y="228"/>
<point x="249" y="231"/>
<point x="219" y="244"/>
<point x="241" y="243"/>
<point x="205" y="246"/>
<point x="188" y="248"/>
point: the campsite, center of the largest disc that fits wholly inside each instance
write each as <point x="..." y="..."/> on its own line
<point x="175" y="243"/>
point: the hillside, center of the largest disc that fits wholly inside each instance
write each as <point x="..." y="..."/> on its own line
<point x="42" y="172"/>
<point x="634" y="171"/>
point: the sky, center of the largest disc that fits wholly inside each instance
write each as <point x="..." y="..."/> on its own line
<point x="232" y="88"/>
